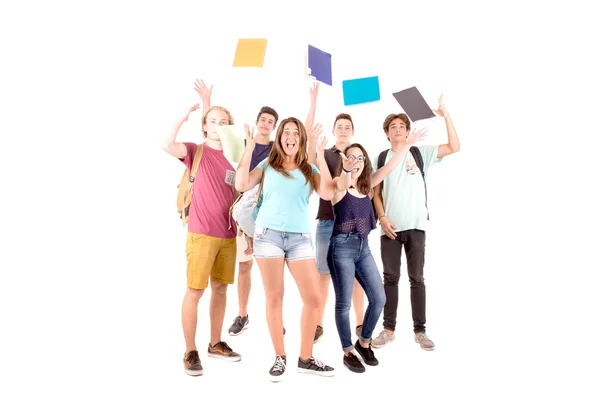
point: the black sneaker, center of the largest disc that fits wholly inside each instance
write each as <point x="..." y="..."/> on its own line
<point x="278" y="369"/>
<point x="240" y="324"/>
<point x="353" y="363"/>
<point x="314" y="366"/>
<point x="366" y="353"/>
<point x="191" y="363"/>
<point x="318" y="333"/>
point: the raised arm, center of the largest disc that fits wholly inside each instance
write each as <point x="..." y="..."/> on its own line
<point x="310" y="120"/>
<point x="323" y="182"/>
<point x="177" y="149"/>
<point x="383" y="172"/>
<point x="244" y="179"/>
<point x="453" y="144"/>
<point x="342" y="182"/>
<point x="204" y="92"/>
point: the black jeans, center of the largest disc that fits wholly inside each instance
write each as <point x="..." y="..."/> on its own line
<point x="391" y="250"/>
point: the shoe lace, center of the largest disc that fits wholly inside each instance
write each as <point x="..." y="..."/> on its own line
<point x="225" y="347"/>
<point x="318" y="363"/>
<point x="423" y="336"/>
<point x="279" y="364"/>
<point x="193" y="357"/>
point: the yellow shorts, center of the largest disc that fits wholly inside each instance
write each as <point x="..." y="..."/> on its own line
<point x="209" y="256"/>
<point x="242" y="245"/>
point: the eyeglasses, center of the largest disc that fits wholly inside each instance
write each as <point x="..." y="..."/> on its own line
<point x="359" y="158"/>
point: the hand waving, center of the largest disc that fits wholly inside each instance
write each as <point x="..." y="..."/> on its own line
<point x="202" y="89"/>
<point x="314" y="93"/>
<point x="250" y="136"/>
<point x="416" y="136"/>
<point x="314" y="132"/>
<point x="441" y="111"/>
<point x="190" y="110"/>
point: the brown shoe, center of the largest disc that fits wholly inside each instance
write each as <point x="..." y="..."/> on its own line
<point x="191" y="363"/>
<point x="223" y="351"/>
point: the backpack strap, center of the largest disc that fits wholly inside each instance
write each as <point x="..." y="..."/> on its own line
<point x="192" y="178"/>
<point x="380" y="164"/>
<point x="262" y="179"/>
<point x="416" y="153"/>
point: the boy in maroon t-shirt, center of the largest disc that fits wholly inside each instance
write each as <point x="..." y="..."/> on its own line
<point x="211" y="237"/>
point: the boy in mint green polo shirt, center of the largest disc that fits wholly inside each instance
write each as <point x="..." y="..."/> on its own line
<point x="402" y="212"/>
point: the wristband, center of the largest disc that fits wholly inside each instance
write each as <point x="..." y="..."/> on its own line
<point x="344" y="170"/>
<point x="379" y="219"/>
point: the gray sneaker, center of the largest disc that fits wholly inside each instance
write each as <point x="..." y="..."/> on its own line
<point x="318" y="333"/>
<point x="382" y="339"/>
<point x="358" y="330"/>
<point x="424" y="341"/>
<point x="240" y="324"/>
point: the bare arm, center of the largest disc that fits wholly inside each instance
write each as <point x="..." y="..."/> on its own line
<point x="453" y="144"/>
<point x="177" y="149"/>
<point x="323" y="181"/>
<point x="387" y="225"/>
<point x="342" y="183"/>
<point x="244" y="179"/>
<point x="384" y="171"/>
<point x="310" y="120"/>
<point x="204" y="92"/>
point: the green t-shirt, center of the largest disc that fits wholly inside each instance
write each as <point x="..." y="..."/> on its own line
<point x="404" y="190"/>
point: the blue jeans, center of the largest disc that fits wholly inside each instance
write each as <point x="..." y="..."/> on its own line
<point x="323" y="234"/>
<point x="348" y="257"/>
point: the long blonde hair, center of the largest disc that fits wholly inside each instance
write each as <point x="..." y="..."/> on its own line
<point x="277" y="154"/>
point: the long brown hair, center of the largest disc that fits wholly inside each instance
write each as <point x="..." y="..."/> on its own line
<point x="363" y="182"/>
<point x="277" y="154"/>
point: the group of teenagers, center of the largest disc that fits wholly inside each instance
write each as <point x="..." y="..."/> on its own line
<point x="355" y="193"/>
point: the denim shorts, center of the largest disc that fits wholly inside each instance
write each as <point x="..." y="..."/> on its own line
<point x="324" y="231"/>
<point x="270" y="243"/>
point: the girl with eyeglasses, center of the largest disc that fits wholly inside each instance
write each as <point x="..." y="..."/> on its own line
<point x="349" y="256"/>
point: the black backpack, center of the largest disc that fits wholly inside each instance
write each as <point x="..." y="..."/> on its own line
<point x="416" y="153"/>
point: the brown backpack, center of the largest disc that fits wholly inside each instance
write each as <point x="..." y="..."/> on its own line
<point x="185" y="187"/>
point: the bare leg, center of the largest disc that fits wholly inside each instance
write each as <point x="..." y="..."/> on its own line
<point x="271" y="270"/>
<point x="218" y="303"/>
<point x="189" y="317"/>
<point x="324" y="280"/>
<point x="307" y="278"/>
<point x="243" y="286"/>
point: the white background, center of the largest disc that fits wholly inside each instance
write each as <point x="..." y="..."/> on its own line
<point x="93" y="264"/>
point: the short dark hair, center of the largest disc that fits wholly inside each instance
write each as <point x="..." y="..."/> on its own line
<point x="343" y="116"/>
<point x="270" y="111"/>
<point x="388" y="120"/>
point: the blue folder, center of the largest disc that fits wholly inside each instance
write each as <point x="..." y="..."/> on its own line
<point x="363" y="90"/>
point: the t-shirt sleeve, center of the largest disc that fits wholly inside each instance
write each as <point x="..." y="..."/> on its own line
<point x="261" y="164"/>
<point x="189" y="157"/>
<point x="429" y="154"/>
<point x="374" y="163"/>
<point x="315" y="170"/>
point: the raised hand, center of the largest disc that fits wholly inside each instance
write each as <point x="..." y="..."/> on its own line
<point x="190" y="110"/>
<point x="321" y="144"/>
<point x="348" y="163"/>
<point x="202" y="89"/>
<point x="314" y="132"/>
<point x="250" y="135"/>
<point x="314" y="93"/>
<point x="441" y="111"/>
<point x="416" y="136"/>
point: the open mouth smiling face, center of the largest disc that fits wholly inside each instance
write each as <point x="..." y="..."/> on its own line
<point x="290" y="139"/>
